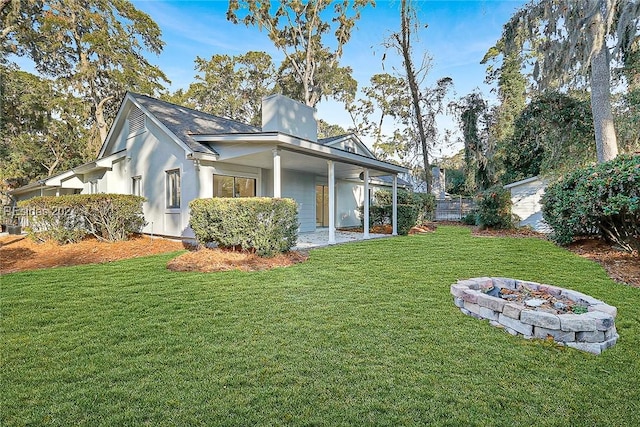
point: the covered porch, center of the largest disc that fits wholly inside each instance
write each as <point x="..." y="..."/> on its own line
<point x="294" y="167"/>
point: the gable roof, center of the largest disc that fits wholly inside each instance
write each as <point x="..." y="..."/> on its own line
<point x="332" y="140"/>
<point x="329" y="140"/>
<point x="64" y="179"/>
<point x="388" y="180"/>
<point x="197" y="131"/>
<point x="184" y="122"/>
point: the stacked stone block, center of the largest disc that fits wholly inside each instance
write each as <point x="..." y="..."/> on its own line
<point x="593" y="331"/>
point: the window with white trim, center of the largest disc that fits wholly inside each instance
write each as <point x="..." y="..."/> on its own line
<point x="173" y="188"/>
<point x="233" y="186"/>
<point x="136" y="185"/>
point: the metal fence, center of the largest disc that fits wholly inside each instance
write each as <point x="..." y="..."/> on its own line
<point x="453" y="209"/>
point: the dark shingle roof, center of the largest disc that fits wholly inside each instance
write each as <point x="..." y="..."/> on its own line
<point x="184" y="122"/>
<point x="325" y="141"/>
<point x="388" y="179"/>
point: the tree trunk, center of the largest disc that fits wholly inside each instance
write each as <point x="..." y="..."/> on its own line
<point x="606" y="143"/>
<point x="405" y="46"/>
<point x="100" y="120"/>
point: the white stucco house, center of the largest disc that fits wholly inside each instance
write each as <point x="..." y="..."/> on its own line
<point x="525" y="199"/>
<point x="172" y="154"/>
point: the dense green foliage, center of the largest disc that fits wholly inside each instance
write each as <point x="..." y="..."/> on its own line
<point x="67" y="219"/>
<point x="553" y="134"/>
<point x="627" y="119"/>
<point x="576" y="45"/>
<point x="364" y="333"/>
<point x="407" y="216"/>
<point x="42" y="129"/>
<point x="94" y="49"/>
<point x="602" y="199"/>
<point x="413" y="208"/>
<point x="51" y="219"/>
<point x="265" y="225"/>
<point x="425" y="203"/>
<point x="494" y="208"/>
<point x="475" y="117"/>
<point x="512" y="86"/>
<point x="230" y="86"/>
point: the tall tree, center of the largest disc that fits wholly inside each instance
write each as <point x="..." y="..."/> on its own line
<point x="385" y="99"/>
<point x="511" y="88"/>
<point x="94" y="48"/>
<point x="299" y="29"/>
<point x="574" y="45"/>
<point x="327" y="130"/>
<point x="426" y="103"/>
<point x="41" y="129"/>
<point x="232" y="86"/>
<point x="475" y="118"/>
<point x="335" y="81"/>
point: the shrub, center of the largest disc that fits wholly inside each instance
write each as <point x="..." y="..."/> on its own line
<point x="68" y="219"/>
<point x="494" y="208"/>
<point x="262" y="224"/>
<point x="407" y="218"/>
<point x="378" y="215"/>
<point x="470" y="219"/>
<point x="380" y="212"/>
<point x="602" y="200"/>
<point x="111" y="217"/>
<point x="51" y="219"/>
<point x="426" y="203"/>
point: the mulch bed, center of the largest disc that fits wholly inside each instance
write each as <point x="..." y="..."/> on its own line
<point x="209" y="260"/>
<point x="376" y="229"/>
<point x="18" y="253"/>
<point x="427" y="227"/>
<point x="623" y="267"/>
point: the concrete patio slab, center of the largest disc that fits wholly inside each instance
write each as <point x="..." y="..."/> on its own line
<point x="320" y="238"/>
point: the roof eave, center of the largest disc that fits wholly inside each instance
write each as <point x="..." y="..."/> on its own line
<point x="299" y="144"/>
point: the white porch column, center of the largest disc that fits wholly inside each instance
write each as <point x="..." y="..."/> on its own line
<point x="366" y="203"/>
<point x="394" y="219"/>
<point x="277" y="174"/>
<point x="332" y="202"/>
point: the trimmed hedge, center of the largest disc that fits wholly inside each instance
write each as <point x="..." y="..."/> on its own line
<point x="603" y="200"/>
<point x="494" y="208"/>
<point x="68" y="219"/>
<point x="407" y="218"/>
<point x="261" y="224"/>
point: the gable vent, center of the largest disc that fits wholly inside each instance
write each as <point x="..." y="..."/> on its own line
<point x="136" y="121"/>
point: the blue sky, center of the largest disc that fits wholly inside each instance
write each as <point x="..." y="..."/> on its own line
<point x="458" y="35"/>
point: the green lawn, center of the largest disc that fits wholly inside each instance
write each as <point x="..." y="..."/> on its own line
<point x="361" y="334"/>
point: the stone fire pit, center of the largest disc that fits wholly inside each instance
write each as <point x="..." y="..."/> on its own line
<point x="536" y="310"/>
